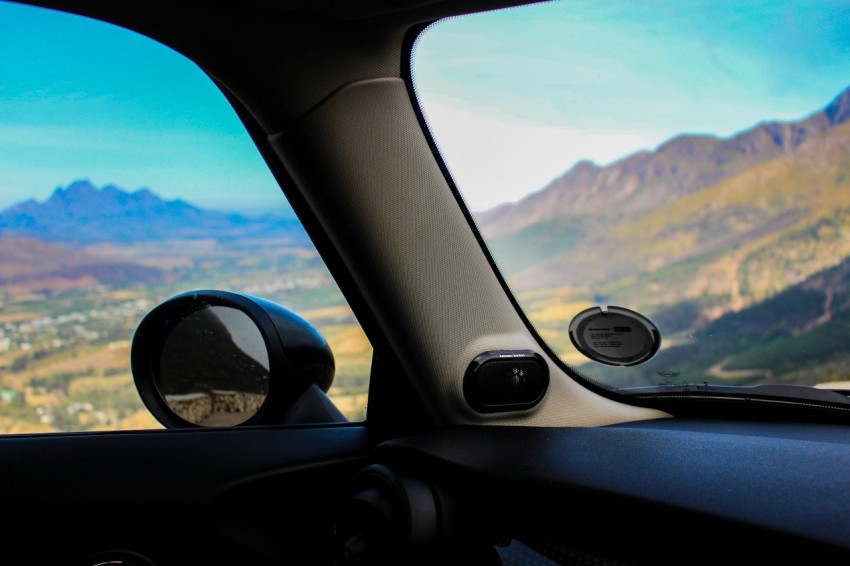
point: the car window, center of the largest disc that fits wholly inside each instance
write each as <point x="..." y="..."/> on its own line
<point x="664" y="186"/>
<point x="125" y="179"/>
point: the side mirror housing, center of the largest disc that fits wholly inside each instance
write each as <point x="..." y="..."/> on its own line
<point x="218" y="358"/>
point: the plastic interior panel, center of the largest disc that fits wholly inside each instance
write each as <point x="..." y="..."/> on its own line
<point x="424" y="271"/>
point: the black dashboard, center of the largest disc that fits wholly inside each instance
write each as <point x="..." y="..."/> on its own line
<point x="665" y="491"/>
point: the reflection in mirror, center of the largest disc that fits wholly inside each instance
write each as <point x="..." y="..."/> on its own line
<point x="214" y="369"/>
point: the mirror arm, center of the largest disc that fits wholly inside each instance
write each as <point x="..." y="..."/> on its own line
<point x="313" y="406"/>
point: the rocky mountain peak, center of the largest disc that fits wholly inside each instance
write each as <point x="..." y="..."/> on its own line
<point x="838" y="110"/>
<point x="644" y="180"/>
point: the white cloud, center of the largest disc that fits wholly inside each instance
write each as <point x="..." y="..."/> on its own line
<point x="495" y="158"/>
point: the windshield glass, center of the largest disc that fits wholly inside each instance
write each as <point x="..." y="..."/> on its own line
<point x="684" y="165"/>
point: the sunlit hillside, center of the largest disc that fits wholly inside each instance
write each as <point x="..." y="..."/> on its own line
<point x="697" y="231"/>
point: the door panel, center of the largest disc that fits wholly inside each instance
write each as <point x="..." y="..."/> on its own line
<point x="177" y="497"/>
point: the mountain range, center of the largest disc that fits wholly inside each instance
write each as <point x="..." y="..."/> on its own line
<point x="51" y="246"/>
<point x="698" y="212"/>
<point x="84" y="214"/>
<point x="646" y="179"/>
<point x="743" y="239"/>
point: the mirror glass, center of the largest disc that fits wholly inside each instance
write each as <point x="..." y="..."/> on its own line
<point x="214" y="369"/>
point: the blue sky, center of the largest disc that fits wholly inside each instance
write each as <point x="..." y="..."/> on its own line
<point x="515" y="97"/>
<point x="81" y="99"/>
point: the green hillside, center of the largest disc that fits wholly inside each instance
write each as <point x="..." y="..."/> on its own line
<point x="798" y="336"/>
<point x="746" y="238"/>
<point x="764" y="241"/>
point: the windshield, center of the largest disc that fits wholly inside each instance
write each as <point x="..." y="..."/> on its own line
<point x="684" y="167"/>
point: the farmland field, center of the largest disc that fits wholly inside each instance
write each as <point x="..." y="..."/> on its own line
<point x="65" y="338"/>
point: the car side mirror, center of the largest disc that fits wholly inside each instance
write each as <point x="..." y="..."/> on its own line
<point x="217" y="358"/>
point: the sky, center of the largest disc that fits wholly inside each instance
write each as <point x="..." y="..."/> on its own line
<point x="514" y="97"/>
<point x="82" y="99"/>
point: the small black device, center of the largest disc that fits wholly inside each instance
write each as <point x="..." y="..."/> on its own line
<point x="505" y="380"/>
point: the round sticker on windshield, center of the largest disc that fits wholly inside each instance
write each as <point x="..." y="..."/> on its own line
<point x="615" y="336"/>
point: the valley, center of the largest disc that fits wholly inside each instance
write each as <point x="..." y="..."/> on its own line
<point x="68" y="311"/>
